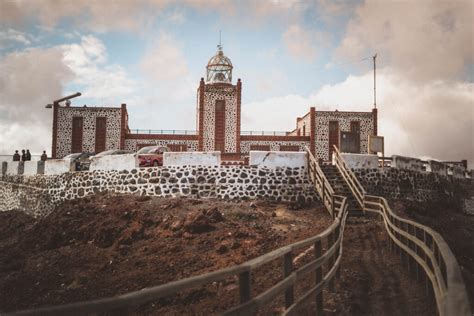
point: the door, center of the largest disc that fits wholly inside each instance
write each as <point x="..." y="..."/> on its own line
<point x="333" y="136"/>
<point x="219" y="131"/>
<point x="76" y="139"/>
<point x="100" y="134"/>
<point x="355" y="128"/>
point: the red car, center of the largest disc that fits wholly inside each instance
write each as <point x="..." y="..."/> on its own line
<point x="151" y="156"/>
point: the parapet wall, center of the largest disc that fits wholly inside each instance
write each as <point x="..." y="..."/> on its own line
<point x="226" y="182"/>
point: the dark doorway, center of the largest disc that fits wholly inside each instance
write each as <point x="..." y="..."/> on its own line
<point x="219" y="131"/>
<point x="100" y="134"/>
<point x="355" y="128"/>
<point x="333" y="136"/>
<point x="77" y="129"/>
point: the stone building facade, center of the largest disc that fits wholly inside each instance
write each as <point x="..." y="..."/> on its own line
<point x="218" y="124"/>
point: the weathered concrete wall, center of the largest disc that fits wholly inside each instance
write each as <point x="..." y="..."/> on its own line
<point x="12" y="167"/>
<point x="226" y="182"/>
<point x="30" y="168"/>
<point x="212" y="158"/>
<point x="57" y="166"/>
<point x="360" y="161"/>
<point x="113" y="162"/>
<point x="408" y="163"/>
<point x="458" y="172"/>
<point x="276" y="159"/>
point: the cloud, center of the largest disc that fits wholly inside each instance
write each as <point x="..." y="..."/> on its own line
<point x="434" y="119"/>
<point x="11" y="36"/>
<point x="29" y="80"/>
<point x="426" y="40"/>
<point x="93" y="75"/>
<point x="302" y="43"/>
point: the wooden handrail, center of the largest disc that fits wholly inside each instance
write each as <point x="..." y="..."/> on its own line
<point x="248" y="305"/>
<point x="351" y="180"/>
<point x="448" y="287"/>
<point x="321" y="183"/>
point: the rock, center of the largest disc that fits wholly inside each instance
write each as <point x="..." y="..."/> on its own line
<point x="253" y="205"/>
<point x="214" y="215"/>
<point x="197" y="223"/>
<point x="222" y="249"/>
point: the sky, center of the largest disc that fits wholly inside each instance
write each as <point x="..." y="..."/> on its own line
<point x="290" y="55"/>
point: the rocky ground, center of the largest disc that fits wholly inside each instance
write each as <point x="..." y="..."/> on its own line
<point x="107" y="245"/>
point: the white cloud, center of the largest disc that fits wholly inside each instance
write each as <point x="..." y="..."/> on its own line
<point x="302" y="43"/>
<point x="94" y="76"/>
<point x="28" y="81"/>
<point x="427" y="40"/>
<point x="11" y="36"/>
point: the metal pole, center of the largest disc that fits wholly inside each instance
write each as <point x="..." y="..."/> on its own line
<point x="374" y="58"/>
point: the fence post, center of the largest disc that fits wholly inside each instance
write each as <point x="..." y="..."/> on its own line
<point x="323" y="192"/>
<point x="331" y="259"/>
<point x="244" y="286"/>
<point x="333" y="208"/>
<point x="288" y="269"/>
<point x="417" y="251"/>
<point x="318" y="250"/>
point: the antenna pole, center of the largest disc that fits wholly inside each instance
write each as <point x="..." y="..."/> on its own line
<point x="375" y="68"/>
<point x="220" y="39"/>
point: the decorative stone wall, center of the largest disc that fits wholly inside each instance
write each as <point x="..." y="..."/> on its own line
<point x="226" y="182"/>
<point x="344" y="118"/>
<point x="132" y="144"/>
<point x="406" y="184"/>
<point x="64" y="128"/>
<point x="229" y="95"/>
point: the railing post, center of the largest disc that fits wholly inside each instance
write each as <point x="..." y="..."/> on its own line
<point x="333" y="208"/>
<point x="324" y="191"/>
<point x="244" y="286"/>
<point x="288" y="269"/>
<point x="331" y="259"/>
<point x="318" y="250"/>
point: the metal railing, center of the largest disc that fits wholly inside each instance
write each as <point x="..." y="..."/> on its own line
<point x="264" y="133"/>
<point x="330" y="256"/>
<point x="352" y="181"/>
<point x="163" y="131"/>
<point x="321" y="184"/>
<point x="420" y="247"/>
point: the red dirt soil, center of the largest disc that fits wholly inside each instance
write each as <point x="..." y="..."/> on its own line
<point x="107" y="245"/>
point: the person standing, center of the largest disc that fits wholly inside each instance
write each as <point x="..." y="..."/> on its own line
<point x="44" y="157"/>
<point x="16" y="156"/>
<point x="28" y="155"/>
<point x="23" y="155"/>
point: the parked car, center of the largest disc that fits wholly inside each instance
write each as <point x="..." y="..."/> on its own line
<point x="114" y="152"/>
<point x="151" y="156"/>
<point x="80" y="161"/>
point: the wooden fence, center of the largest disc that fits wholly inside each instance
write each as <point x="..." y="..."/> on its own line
<point x="325" y="248"/>
<point x="420" y="247"/>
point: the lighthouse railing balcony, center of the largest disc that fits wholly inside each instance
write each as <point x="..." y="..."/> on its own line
<point x="163" y="131"/>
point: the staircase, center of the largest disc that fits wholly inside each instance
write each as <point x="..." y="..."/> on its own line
<point x="341" y="188"/>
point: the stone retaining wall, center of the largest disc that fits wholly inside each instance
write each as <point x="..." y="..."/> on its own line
<point x="226" y="182"/>
<point x="394" y="183"/>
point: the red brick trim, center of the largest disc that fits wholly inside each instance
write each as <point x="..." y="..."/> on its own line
<point x="55" y="130"/>
<point x="239" y="100"/>
<point x="375" y="119"/>
<point x="162" y="136"/>
<point x="275" y="138"/>
<point x="123" y="128"/>
<point x="312" y="126"/>
<point x="201" y="115"/>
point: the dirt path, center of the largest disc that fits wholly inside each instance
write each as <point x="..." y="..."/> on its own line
<point x="373" y="280"/>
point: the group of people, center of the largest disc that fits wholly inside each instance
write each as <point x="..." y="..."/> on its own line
<point x="26" y="155"/>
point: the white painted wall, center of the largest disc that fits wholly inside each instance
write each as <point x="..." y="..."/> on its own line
<point x="30" y="168"/>
<point x="12" y="167"/>
<point x="113" y="162"/>
<point x="360" y="161"/>
<point x="210" y="158"/>
<point x="274" y="159"/>
<point x="57" y="166"/>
